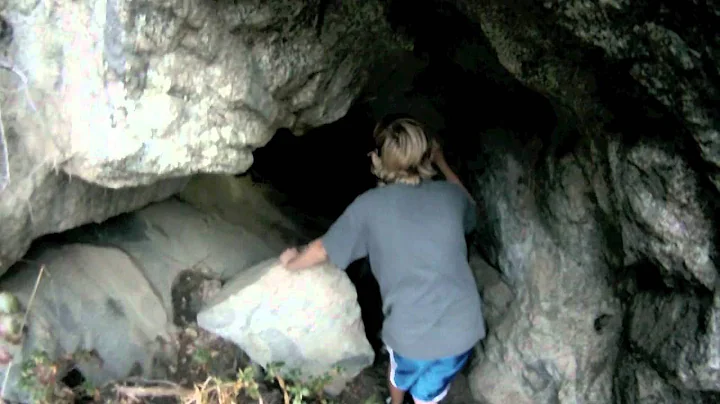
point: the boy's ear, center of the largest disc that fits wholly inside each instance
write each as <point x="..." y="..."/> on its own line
<point x="375" y="158"/>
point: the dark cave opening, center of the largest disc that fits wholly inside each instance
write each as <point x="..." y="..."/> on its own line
<point x="456" y="101"/>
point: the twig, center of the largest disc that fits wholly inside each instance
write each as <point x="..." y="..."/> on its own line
<point x="5" y="162"/>
<point x="32" y="296"/>
<point x="283" y="387"/>
<point x="143" y="381"/>
<point x="140" y="391"/>
<point x="22" y="328"/>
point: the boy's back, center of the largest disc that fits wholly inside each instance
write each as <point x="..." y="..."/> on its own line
<point x="413" y="231"/>
<point x="414" y="237"/>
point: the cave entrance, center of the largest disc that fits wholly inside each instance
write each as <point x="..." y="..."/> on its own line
<point x="320" y="173"/>
<point x="451" y="82"/>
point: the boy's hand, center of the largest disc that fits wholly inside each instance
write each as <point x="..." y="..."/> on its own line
<point x="288" y="255"/>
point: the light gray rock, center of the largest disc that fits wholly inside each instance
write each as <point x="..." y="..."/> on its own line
<point x="172" y="236"/>
<point x="90" y="298"/>
<point x="126" y="93"/>
<point x="48" y="202"/>
<point x="554" y="338"/>
<point x="309" y="320"/>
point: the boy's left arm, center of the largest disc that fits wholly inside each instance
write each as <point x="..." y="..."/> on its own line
<point x="343" y="243"/>
<point x="313" y="254"/>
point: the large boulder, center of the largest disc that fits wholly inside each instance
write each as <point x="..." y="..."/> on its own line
<point x="224" y="225"/>
<point x="46" y="202"/>
<point x="309" y="320"/>
<point x="125" y="93"/>
<point x="172" y="236"/>
<point x="90" y="299"/>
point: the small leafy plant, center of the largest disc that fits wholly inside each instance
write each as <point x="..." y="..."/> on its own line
<point x="39" y="377"/>
<point x="295" y="389"/>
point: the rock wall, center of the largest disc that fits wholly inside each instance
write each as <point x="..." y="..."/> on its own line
<point x="639" y="60"/>
<point x="606" y="228"/>
<point x="121" y="94"/>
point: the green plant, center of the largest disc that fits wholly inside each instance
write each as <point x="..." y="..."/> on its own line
<point x="374" y="399"/>
<point x="246" y="380"/>
<point x="216" y="390"/>
<point x="87" y="388"/>
<point x="39" y="377"/>
<point x="296" y="388"/>
<point x="201" y="357"/>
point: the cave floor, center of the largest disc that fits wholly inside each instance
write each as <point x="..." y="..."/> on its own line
<point x="200" y="354"/>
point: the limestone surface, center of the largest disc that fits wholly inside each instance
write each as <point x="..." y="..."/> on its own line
<point x="121" y="94"/>
<point x="89" y="299"/>
<point x="308" y="320"/>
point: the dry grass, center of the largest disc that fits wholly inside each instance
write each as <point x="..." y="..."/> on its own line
<point x="212" y="391"/>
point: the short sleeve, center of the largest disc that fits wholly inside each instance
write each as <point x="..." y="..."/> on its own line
<point x="345" y="241"/>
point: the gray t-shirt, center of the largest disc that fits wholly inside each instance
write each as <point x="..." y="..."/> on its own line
<point x="415" y="239"/>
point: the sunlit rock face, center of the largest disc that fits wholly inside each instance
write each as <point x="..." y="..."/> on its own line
<point x="124" y="94"/>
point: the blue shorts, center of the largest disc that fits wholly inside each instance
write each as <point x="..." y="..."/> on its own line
<point x="425" y="380"/>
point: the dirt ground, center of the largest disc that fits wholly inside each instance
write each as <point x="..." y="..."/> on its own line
<point x="204" y="354"/>
<point x="201" y="354"/>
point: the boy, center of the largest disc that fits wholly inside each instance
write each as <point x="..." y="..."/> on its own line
<point x="413" y="231"/>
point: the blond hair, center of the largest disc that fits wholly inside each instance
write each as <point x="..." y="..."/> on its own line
<point x="404" y="152"/>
